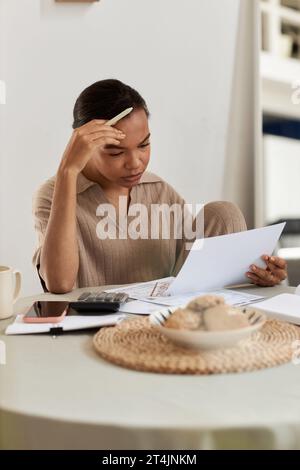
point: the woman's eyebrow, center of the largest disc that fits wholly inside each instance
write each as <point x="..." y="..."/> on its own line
<point x="118" y="147"/>
<point x="146" y="138"/>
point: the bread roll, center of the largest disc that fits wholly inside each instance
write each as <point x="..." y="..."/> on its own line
<point x="207" y="313"/>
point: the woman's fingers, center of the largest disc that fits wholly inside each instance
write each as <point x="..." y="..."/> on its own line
<point x="272" y="275"/>
<point x="281" y="274"/>
<point x="102" y="141"/>
<point x="278" y="266"/>
<point x="276" y="260"/>
<point x="97" y="125"/>
<point x="262" y="273"/>
<point x="101" y="137"/>
<point x="259" y="281"/>
<point x="107" y="130"/>
<point x="105" y="134"/>
<point x="263" y="276"/>
<point x="93" y="123"/>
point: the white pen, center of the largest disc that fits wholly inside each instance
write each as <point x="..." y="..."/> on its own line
<point x="117" y="118"/>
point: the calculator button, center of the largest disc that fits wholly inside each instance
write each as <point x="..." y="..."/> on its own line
<point x="121" y="297"/>
<point x="111" y="297"/>
<point x="100" y="297"/>
<point x="84" y="296"/>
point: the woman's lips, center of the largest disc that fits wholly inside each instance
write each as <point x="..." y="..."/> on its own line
<point x="133" y="177"/>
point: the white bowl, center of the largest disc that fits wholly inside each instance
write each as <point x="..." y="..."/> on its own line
<point x="208" y="339"/>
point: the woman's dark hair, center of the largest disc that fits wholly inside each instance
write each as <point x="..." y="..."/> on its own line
<point x="104" y="100"/>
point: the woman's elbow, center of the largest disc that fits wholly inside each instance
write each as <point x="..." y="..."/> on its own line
<point x="62" y="287"/>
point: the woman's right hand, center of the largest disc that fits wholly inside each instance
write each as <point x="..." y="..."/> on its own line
<point x="85" y="141"/>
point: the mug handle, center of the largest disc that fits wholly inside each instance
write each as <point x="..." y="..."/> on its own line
<point x="18" y="278"/>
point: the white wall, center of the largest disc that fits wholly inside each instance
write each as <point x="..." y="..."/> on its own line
<point x="179" y="55"/>
<point x="2" y="131"/>
<point x="281" y="178"/>
<point x="244" y="123"/>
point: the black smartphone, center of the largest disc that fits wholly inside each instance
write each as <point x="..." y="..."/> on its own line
<point x="44" y="311"/>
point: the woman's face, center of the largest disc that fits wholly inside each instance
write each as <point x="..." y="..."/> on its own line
<point x="124" y="164"/>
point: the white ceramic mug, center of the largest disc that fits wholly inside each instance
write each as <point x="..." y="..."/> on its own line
<point x="10" y="286"/>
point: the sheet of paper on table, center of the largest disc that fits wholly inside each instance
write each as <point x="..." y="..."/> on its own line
<point x="231" y="297"/>
<point x="212" y="264"/>
<point x="149" y="305"/>
<point x="143" y="290"/>
<point x="146" y="292"/>
<point x="138" y="307"/>
<point x="284" y="307"/>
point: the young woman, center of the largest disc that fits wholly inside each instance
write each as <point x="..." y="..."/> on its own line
<point x="101" y="166"/>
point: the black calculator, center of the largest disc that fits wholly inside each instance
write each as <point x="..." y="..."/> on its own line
<point x="98" y="302"/>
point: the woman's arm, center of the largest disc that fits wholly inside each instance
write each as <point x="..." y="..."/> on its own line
<point x="59" y="253"/>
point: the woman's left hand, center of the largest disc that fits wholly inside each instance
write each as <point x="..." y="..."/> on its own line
<point x="272" y="275"/>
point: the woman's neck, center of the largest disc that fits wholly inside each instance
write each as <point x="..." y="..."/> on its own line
<point x="106" y="185"/>
<point x="112" y="191"/>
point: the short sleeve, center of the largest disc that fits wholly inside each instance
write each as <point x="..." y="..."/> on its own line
<point x="41" y="208"/>
<point x="182" y="242"/>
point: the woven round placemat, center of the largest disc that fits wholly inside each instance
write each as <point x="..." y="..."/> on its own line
<point x="136" y="344"/>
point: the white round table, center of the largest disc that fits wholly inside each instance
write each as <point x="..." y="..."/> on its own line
<point x="57" y="393"/>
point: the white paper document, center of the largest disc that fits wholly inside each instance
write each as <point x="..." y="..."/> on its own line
<point x="231" y="297"/>
<point x="151" y="304"/>
<point x="285" y="307"/>
<point x="139" y="307"/>
<point x="143" y="290"/>
<point x="145" y="294"/>
<point x="73" y="322"/>
<point x="222" y="261"/>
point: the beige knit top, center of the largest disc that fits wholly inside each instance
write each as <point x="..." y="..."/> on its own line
<point x="113" y="261"/>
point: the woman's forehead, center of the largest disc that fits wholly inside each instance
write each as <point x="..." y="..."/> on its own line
<point x="135" y="125"/>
